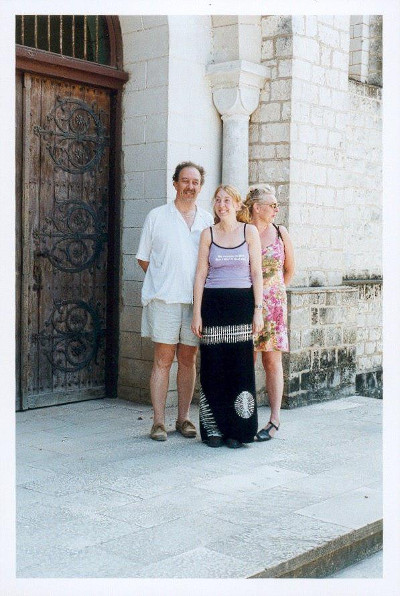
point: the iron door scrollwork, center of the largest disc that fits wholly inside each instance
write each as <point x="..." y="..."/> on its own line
<point x="79" y="139"/>
<point x="74" y="238"/>
<point x="72" y="336"/>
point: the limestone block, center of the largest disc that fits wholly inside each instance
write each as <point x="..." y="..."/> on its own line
<point x="147" y="349"/>
<point x="155" y="187"/>
<point x="145" y="102"/>
<point x="285" y="68"/>
<point x="137" y="79"/>
<point x="146" y="157"/>
<point x="332" y="78"/>
<point x="314" y="174"/>
<point x="130" y="345"/>
<point x="152" y="21"/>
<point x="306" y="48"/>
<point x="328" y="358"/>
<point x="275" y="133"/>
<point x="328" y="36"/>
<point x="226" y="43"/>
<point x="342" y="22"/>
<point x="305" y="90"/>
<point x="131" y="271"/>
<point x="267" y="49"/>
<point x="317" y="115"/>
<point x="280" y="89"/>
<point x="130" y="318"/>
<point x="319" y="74"/>
<point x="307" y="134"/>
<point x="299" y="317"/>
<point x="326" y="56"/>
<point x="325" y="97"/>
<point x="335" y="139"/>
<point x="326" y="196"/>
<point x="283" y="47"/>
<point x="134" y="130"/>
<point x="326" y="19"/>
<point x="312" y="338"/>
<point x="295" y="340"/>
<point x="157" y="72"/>
<point x="272" y="25"/>
<point x="133" y="185"/>
<point x="302" y="69"/>
<point x="299" y="24"/>
<point x="340" y="60"/>
<point x="340" y="100"/>
<point x="282" y="150"/>
<point x="146" y="44"/>
<point x="135" y="373"/>
<point x="130" y="240"/>
<point x="333" y="336"/>
<point x="270" y="112"/>
<point x="254" y="132"/>
<point x="286" y="110"/>
<point x="253" y="172"/>
<point x="130" y="23"/>
<point x="300" y="361"/>
<point x="131" y="293"/>
<point x="263" y="152"/>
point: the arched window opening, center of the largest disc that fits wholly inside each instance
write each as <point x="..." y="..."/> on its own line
<point x="78" y="36"/>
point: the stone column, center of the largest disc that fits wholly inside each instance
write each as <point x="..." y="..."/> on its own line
<point x="236" y="89"/>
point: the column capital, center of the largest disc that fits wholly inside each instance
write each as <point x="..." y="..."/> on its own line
<point x="236" y="86"/>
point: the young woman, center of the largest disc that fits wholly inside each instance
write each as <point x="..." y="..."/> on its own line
<point x="227" y="311"/>
<point x="278" y="270"/>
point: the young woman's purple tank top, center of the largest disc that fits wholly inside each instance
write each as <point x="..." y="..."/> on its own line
<point x="229" y="267"/>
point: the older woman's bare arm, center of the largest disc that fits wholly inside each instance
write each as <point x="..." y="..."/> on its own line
<point x="288" y="266"/>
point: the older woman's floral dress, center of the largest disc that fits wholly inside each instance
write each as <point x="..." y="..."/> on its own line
<point x="274" y="336"/>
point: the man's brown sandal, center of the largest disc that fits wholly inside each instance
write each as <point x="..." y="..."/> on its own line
<point x="186" y="428"/>
<point x="158" y="432"/>
<point x="263" y="434"/>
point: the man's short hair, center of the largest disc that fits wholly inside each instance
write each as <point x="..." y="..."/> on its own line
<point x="189" y="164"/>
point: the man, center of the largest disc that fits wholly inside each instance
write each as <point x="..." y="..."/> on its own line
<point x="168" y="255"/>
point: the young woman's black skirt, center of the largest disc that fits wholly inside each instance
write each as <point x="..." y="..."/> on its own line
<point x="228" y="405"/>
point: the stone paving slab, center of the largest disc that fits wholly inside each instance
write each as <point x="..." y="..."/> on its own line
<point x="97" y="498"/>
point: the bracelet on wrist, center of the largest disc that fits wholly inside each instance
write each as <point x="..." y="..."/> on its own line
<point x="256" y="306"/>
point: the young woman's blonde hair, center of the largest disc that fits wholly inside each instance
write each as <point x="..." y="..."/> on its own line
<point x="258" y="194"/>
<point x="243" y="214"/>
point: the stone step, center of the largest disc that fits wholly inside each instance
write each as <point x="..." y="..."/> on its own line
<point x="332" y="556"/>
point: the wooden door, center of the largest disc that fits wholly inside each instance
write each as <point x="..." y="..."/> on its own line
<point x="64" y="222"/>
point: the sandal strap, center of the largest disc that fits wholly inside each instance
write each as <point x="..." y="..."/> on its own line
<point x="272" y="424"/>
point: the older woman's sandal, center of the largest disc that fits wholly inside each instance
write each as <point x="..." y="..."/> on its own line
<point x="264" y="433"/>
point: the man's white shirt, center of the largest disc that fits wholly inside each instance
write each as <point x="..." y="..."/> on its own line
<point x="171" y="249"/>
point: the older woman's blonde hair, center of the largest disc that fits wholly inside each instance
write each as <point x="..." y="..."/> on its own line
<point x="258" y="194"/>
<point x="243" y="214"/>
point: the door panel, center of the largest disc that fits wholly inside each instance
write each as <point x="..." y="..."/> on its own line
<point x="65" y="173"/>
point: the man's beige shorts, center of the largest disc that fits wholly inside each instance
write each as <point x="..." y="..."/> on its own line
<point x="168" y="323"/>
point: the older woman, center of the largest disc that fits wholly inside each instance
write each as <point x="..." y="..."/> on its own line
<point x="278" y="270"/>
<point x="227" y="310"/>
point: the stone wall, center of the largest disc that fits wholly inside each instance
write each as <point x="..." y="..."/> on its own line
<point x="144" y="145"/>
<point x="362" y="231"/>
<point x="321" y="364"/>
<point x="317" y="138"/>
<point x="369" y="337"/>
